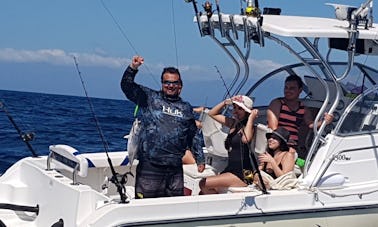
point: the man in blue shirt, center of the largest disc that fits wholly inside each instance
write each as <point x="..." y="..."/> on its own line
<point x="167" y="129"/>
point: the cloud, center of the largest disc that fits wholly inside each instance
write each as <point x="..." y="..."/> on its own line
<point x="262" y="67"/>
<point x="60" y="57"/>
<point x="257" y="68"/>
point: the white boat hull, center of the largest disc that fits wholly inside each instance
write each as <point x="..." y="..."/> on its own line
<point x="29" y="183"/>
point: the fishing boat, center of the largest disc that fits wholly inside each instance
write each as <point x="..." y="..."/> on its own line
<point x="338" y="184"/>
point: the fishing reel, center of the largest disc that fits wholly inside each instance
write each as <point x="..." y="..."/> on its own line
<point x="121" y="178"/>
<point x="208" y="7"/>
<point x="29" y="136"/>
<point x="252" y="11"/>
<point x="248" y="176"/>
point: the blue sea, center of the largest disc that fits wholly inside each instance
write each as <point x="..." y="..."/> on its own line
<point x="60" y="119"/>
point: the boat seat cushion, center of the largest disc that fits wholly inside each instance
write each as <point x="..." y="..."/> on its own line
<point x="99" y="160"/>
<point x="192" y="171"/>
<point x="259" y="143"/>
<point x="249" y="188"/>
<point x="67" y="157"/>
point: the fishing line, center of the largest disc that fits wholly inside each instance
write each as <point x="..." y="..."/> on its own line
<point x="127" y="39"/>
<point x="119" y="27"/>
<point x="118" y="183"/>
<point x="251" y="156"/>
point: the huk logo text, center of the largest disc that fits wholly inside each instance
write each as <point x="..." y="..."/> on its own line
<point x="173" y="112"/>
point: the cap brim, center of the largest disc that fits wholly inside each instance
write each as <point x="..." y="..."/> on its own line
<point x="242" y="106"/>
<point x="269" y="134"/>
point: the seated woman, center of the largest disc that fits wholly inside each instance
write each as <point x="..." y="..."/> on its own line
<point x="276" y="161"/>
<point x="241" y="133"/>
<point x="189" y="158"/>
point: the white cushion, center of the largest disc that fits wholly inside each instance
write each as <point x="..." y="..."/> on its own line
<point x="192" y="171"/>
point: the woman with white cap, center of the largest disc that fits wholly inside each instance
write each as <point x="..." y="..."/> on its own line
<point x="241" y="134"/>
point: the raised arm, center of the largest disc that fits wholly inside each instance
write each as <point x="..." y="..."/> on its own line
<point x="249" y="129"/>
<point x="133" y="91"/>
<point x="216" y="115"/>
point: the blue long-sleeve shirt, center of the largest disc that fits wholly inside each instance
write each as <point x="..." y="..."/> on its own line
<point x="167" y="125"/>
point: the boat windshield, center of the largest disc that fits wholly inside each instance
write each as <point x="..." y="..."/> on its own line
<point x="361" y="116"/>
<point x="270" y="86"/>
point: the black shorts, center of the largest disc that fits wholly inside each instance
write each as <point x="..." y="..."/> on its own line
<point x="158" y="181"/>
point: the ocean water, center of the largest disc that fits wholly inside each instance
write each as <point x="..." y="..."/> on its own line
<point x="60" y="119"/>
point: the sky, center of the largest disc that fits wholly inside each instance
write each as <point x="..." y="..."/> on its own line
<point x="40" y="37"/>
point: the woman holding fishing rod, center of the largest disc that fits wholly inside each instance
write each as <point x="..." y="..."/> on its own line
<point x="237" y="144"/>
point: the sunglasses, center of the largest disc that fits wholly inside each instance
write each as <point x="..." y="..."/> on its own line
<point x="236" y="107"/>
<point x="175" y="83"/>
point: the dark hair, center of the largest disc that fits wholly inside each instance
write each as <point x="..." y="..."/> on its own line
<point x="296" y="78"/>
<point x="283" y="146"/>
<point x="171" y="70"/>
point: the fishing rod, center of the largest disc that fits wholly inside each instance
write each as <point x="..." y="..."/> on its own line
<point x="260" y="20"/>
<point x="26" y="137"/>
<point x="242" y="12"/>
<point x="119" y="183"/>
<point x="224" y="83"/>
<point x="219" y="18"/>
<point x="251" y="156"/>
<point x="197" y="15"/>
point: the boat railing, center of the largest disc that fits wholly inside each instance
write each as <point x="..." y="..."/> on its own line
<point x="253" y="30"/>
<point x="312" y="49"/>
<point x="229" y="42"/>
<point x="250" y="29"/>
<point x="327" y="162"/>
<point x="352" y="105"/>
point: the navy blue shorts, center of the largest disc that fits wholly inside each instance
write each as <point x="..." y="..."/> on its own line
<point x="158" y="181"/>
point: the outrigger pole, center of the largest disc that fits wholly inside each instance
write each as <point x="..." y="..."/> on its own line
<point x="26" y="137"/>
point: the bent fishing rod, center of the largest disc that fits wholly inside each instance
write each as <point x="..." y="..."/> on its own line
<point x="26" y="137"/>
<point x="119" y="183"/>
<point x="252" y="157"/>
